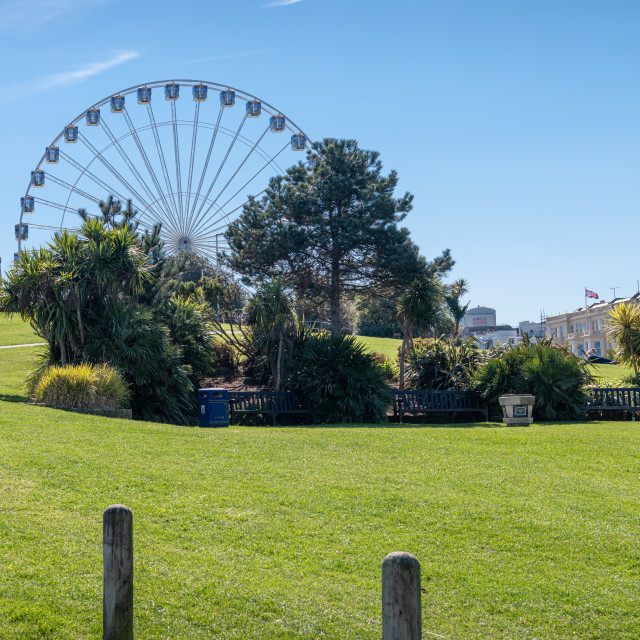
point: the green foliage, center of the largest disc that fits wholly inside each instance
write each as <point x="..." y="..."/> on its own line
<point x="109" y="295"/>
<point x="552" y="374"/>
<point x="131" y="339"/>
<point x="271" y="314"/>
<point x="377" y="317"/>
<point x="187" y="320"/>
<point x="623" y="329"/>
<point x="341" y="379"/>
<point x="83" y="386"/>
<point x="329" y="228"/>
<point x="443" y="364"/>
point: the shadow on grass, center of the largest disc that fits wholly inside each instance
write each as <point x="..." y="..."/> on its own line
<point x="381" y="425"/>
<point x="11" y="397"/>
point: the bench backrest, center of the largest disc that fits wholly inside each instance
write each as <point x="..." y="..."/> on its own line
<point x="614" y="397"/>
<point x="265" y="400"/>
<point x="430" y="400"/>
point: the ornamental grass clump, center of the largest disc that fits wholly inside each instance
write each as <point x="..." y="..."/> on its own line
<point x="82" y="386"/>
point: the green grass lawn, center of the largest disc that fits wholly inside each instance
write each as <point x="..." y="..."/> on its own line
<point x="386" y="346"/>
<point x="13" y="330"/>
<point x="278" y="533"/>
<point x="605" y="372"/>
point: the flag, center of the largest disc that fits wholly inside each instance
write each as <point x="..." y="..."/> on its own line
<point x="591" y="294"/>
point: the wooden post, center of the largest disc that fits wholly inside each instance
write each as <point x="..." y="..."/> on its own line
<point x="401" y="606"/>
<point x="117" y="554"/>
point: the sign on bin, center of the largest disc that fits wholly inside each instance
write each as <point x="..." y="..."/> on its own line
<point x="213" y="407"/>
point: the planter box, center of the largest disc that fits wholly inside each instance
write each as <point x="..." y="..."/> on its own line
<point x="517" y="410"/>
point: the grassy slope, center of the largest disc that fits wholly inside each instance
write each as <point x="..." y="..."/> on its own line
<point x="387" y="346"/>
<point x="13" y="330"/>
<point x="279" y="533"/>
<point x="604" y="372"/>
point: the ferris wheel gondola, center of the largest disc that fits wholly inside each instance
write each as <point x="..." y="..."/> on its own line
<point x="189" y="165"/>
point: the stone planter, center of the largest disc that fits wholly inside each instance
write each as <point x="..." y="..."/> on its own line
<point x="517" y="410"/>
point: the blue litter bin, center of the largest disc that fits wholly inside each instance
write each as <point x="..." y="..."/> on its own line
<point x="213" y="407"/>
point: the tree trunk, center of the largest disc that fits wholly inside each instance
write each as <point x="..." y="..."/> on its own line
<point x="334" y="292"/>
<point x="633" y="357"/>
<point x="403" y="352"/>
<point x="80" y="327"/>
<point x="63" y="353"/>
<point x="276" y="381"/>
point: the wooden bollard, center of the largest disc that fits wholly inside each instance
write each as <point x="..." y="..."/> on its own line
<point x="401" y="606"/>
<point x="117" y="554"/>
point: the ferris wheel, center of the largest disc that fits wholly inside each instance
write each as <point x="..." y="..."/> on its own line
<point x="189" y="165"/>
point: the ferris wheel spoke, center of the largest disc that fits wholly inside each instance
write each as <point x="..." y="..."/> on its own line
<point x="112" y="169"/>
<point x="196" y="120"/>
<point x="176" y="151"/>
<point x="123" y="154"/>
<point x="85" y="171"/>
<point x="55" y="205"/>
<point x="73" y="188"/>
<point x="269" y="162"/>
<point x="235" y="173"/>
<point x="208" y="158"/>
<point x="224" y="160"/>
<point x="147" y="163"/>
<point x="224" y="216"/>
<point x="163" y="163"/>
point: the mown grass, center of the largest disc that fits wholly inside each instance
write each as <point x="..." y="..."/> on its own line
<point x="13" y="330"/>
<point x="605" y="372"/>
<point x="279" y="533"/>
<point x="386" y="346"/>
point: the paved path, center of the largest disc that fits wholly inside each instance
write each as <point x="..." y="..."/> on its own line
<point x="16" y="346"/>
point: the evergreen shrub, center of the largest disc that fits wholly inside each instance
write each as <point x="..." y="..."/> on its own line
<point x="552" y="374"/>
<point x="340" y="378"/>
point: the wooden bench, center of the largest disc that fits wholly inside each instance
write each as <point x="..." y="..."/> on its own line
<point x="271" y="403"/>
<point x="615" y="399"/>
<point x="424" y="402"/>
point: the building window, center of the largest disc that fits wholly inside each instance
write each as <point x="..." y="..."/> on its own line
<point x="581" y="349"/>
<point x="572" y="349"/>
<point x="582" y="327"/>
<point x="596" y="346"/>
<point x="571" y="329"/>
<point x="561" y="332"/>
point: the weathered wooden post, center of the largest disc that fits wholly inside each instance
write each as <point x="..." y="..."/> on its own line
<point x="401" y="606"/>
<point x="117" y="554"/>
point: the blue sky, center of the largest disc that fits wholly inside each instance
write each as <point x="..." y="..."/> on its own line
<point x="514" y="124"/>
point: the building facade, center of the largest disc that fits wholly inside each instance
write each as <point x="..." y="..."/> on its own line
<point x="585" y="328"/>
<point x="479" y="319"/>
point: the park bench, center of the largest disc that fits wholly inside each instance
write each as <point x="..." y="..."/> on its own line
<point x="271" y="403"/>
<point x="615" y="399"/>
<point x="446" y="402"/>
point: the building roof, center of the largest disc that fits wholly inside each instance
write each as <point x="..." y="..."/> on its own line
<point x="480" y="310"/>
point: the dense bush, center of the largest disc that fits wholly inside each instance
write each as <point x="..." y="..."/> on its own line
<point x="82" y="386"/>
<point x="133" y="341"/>
<point x="443" y="364"/>
<point x="341" y="379"/>
<point x="552" y="374"/>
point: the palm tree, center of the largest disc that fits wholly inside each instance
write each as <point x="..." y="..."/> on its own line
<point x="623" y="328"/>
<point x="418" y="309"/>
<point x="271" y="312"/>
<point x="458" y="289"/>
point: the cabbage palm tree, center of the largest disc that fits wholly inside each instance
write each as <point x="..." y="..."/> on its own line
<point x="623" y="328"/>
<point x="272" y="314"/>
<point x="418" y="309"/>
<point x="458" y="289"/>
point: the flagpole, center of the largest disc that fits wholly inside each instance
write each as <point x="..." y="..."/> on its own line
<point x="586" y="316"/>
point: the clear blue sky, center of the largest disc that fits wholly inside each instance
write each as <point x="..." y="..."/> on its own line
<point x="515" y="124"/>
